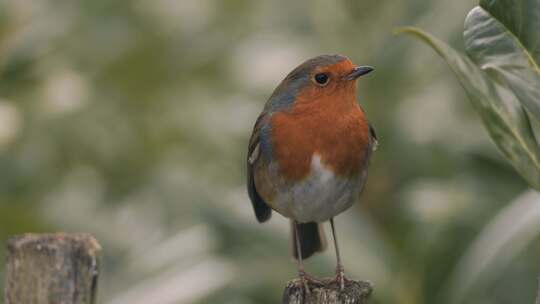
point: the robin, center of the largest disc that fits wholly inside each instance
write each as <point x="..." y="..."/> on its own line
<point x="309" y="152"/>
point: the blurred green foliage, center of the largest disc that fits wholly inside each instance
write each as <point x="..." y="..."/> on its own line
<point x="130" y="120"/>
<point x="501" y="75"/>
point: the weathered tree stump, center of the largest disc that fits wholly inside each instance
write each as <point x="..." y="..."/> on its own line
<point x="52" y="269"/>
<point x="327" y="292"/>
<point x="538" y="293"/>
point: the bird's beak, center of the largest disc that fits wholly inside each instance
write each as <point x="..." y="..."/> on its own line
<point x="357" y="72"/>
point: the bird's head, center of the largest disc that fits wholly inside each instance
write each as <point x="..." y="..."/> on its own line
<point x="324" y="77"/>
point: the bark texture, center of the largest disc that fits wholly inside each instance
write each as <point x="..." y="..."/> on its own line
<point x="51" y="269"/>
<point x="538" y="293"/>
<point x="327" y="292"/>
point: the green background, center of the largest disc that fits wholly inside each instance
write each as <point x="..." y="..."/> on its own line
<point x="130" y="120"/>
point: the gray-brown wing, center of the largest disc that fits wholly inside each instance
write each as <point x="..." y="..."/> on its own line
<point x="262" y="210"/>
<point x="373" y="137"/>
<point x="373" y="143"/>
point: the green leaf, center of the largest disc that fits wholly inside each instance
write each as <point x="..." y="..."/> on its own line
<point x="513" y="229"/>
<point x="498" y="106"/>
<point x="519" y="17"/>
<point x="502" y="37"/>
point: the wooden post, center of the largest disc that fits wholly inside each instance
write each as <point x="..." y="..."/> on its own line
<point x="52" y="269"/>
<point x="355" y="292"/>
<point x="538" y="293"/>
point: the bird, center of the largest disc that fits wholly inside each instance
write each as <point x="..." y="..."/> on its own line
<point x="309" y="152"/>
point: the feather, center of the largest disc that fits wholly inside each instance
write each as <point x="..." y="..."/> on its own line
<point x="262" y="210"/>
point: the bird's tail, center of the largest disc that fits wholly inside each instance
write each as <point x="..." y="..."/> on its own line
<point x="311" y="237"/>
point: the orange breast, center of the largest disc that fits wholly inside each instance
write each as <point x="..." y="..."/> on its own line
<point x="332" y="126"/>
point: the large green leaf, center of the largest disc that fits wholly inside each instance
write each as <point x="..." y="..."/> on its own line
<point x="496" y="102"/>
<point x="521" y="18"/>
<point x="512" y="229"/>
<point x="503" y="38"/>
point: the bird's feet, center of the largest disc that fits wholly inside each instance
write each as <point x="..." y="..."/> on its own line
<point x="340" y="279"/>
<point x="307" y="279"/>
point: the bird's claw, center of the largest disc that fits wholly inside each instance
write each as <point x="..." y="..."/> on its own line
<point x="341" y="279"/>
<point x="308" y="279"/>
<point x="304" y="278"/>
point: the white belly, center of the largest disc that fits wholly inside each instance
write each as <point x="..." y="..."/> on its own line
<point x="318" y="197"/>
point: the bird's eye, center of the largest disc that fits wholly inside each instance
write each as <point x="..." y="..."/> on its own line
<point x="321" y="79"/>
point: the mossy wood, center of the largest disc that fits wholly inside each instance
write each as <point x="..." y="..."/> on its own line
<point x="538" y="294"/>
<point x="327" y="292"/>
<point x="51" y="269"/>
